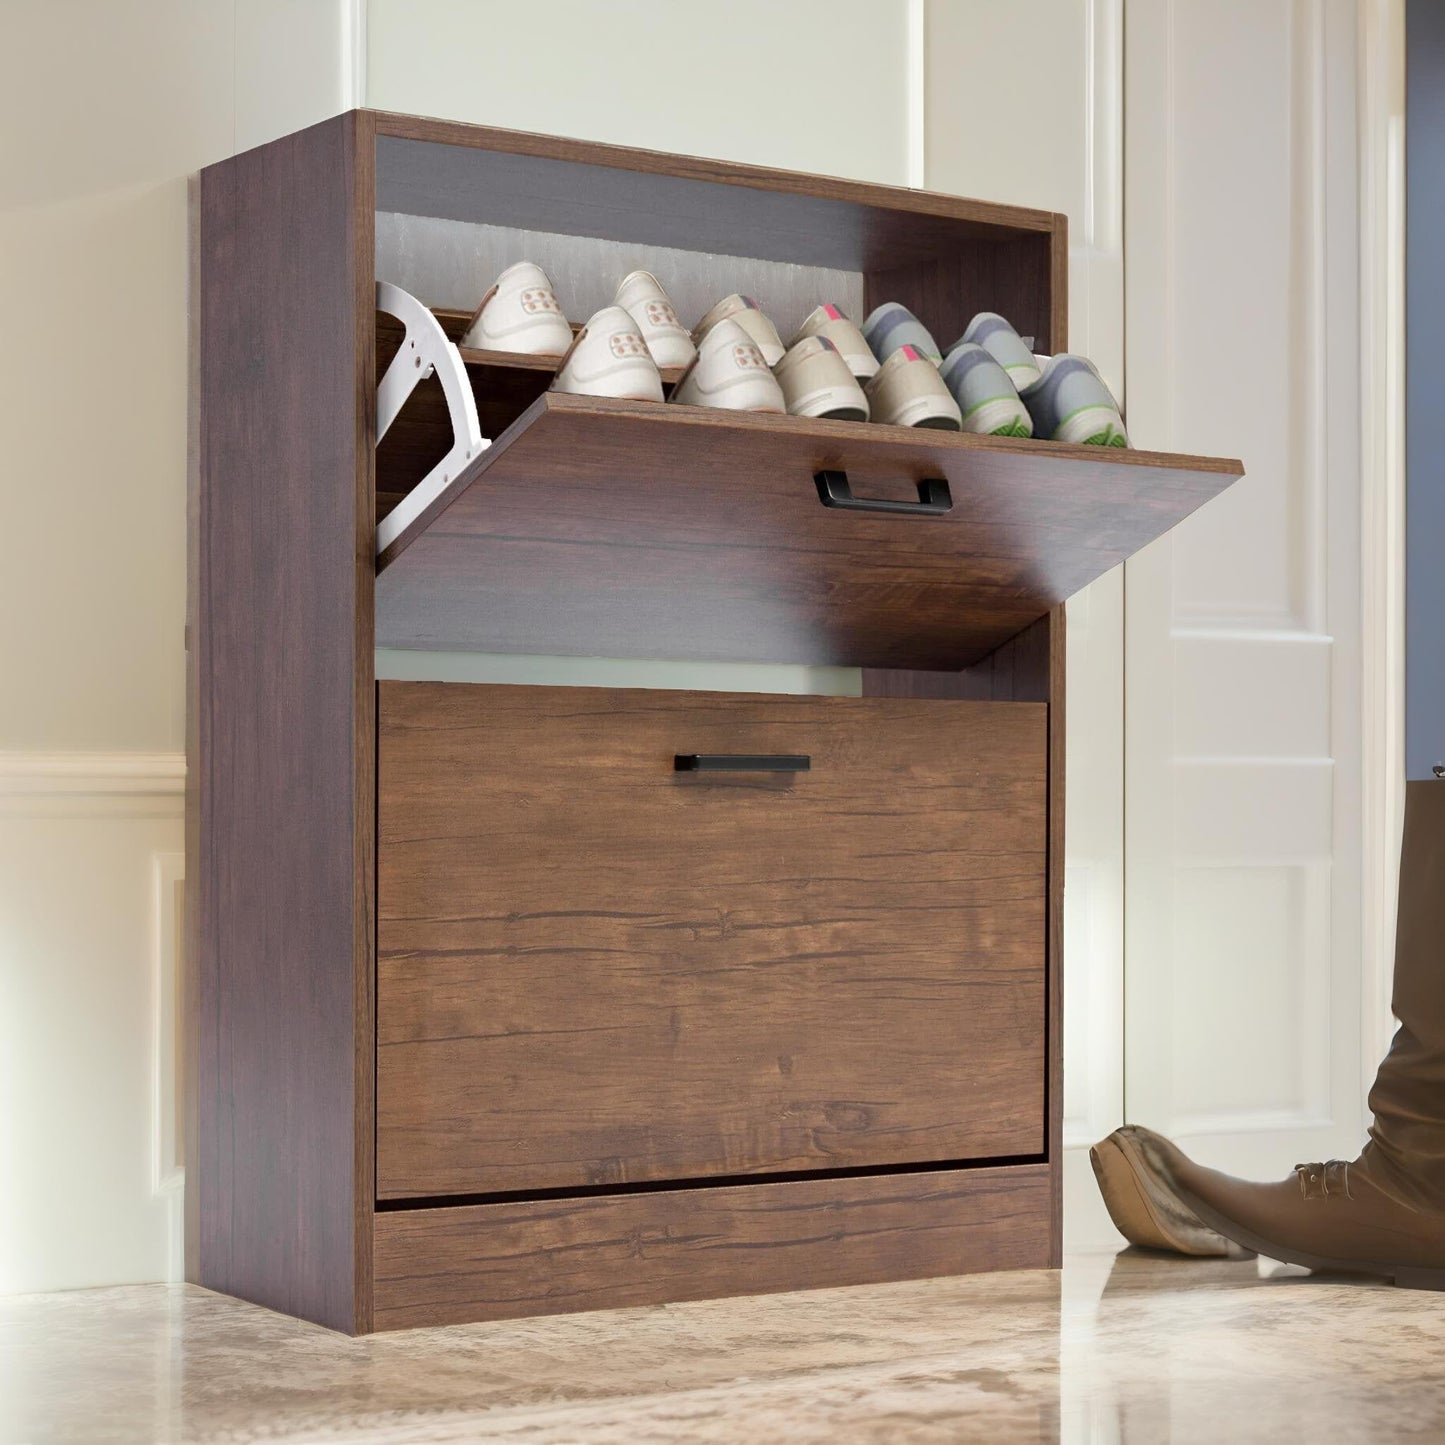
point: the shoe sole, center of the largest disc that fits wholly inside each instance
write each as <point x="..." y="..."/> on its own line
<point x="1092" y="426"/>
<point x="930" y="420"/>
<point x="1003" y="416"/>
<point x="1145" y="1214"/>
<point x="1403" y="1276"/>
<point x="540" y="338"/>
<point x="625" y="384"/>
<point x="836" y="403"/>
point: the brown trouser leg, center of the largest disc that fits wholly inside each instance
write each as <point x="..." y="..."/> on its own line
<point x="1406" y="1152"/>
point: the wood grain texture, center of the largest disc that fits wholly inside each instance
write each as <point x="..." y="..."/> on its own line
<point x="625" y="529"/>
<point x="1030" y="667"/>
<point x="1012" y="278"/>
<point x="283" y="728"/>
<point x="550" y="183"/>
<point x="1017" y="671"/>
<point x="1059" y="284"/>
<point x="595" y="970"/>
<point x="190" y="941"/>
<point x="363" y="734"/>
<point x="502" y="1261"/>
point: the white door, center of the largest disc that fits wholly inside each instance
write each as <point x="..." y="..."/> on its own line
<point x="1242" y="652"/>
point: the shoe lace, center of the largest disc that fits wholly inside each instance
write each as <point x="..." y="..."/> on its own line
<point x="1320" y="1181"/>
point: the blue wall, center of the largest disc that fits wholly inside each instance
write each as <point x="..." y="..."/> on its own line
<point x="1425" y="387"/>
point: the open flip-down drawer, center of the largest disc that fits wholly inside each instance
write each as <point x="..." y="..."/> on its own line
<point x="635" y="529"/>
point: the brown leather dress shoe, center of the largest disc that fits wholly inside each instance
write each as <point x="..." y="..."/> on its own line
<point x="1324" y="1216"/>
<point x="1382" y="1214"/>
<point x="1144" y="1206"/>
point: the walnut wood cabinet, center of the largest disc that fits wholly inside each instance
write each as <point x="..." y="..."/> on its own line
<point x="497" y="1005"/>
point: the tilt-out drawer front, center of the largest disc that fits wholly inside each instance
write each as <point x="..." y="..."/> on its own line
<point x="598" y="964"/>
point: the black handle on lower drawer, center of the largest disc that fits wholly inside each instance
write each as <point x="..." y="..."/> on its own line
<point x="742" y="763"/>
<point x="934" y="498"/>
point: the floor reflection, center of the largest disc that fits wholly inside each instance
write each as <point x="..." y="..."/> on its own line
<point x="1133" y="1347"/>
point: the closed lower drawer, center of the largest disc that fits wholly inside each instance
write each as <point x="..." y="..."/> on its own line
<point x="594" y="969"/>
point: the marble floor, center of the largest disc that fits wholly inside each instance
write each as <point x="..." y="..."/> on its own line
<point x="1134" y="1348"/>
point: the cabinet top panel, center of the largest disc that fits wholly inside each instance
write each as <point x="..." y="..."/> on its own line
<point x="550" y="183"/>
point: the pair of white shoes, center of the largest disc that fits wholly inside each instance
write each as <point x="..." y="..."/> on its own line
<point x="827" y="370"/>
<point x="726" y="361"/>
<point x="742" y="364"/>
<point x="819" y="374"/>
<point x="521" y="314"/>
<point x="622" y="349"/>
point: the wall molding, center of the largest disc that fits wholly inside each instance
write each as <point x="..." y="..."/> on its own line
<point x="90" y="775"/>
<point x="1382" y="512"/>
<point x="915" y="94"/>
<point x="353" y="54"/>
<point x="168" y="1169"/>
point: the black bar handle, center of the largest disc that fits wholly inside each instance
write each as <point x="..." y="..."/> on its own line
<point x="934" y="498"/>
<point x="742" y="763"/>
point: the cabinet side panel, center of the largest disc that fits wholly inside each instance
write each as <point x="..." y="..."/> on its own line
<point x="283" y="729"/>
<point x="1058" y="639"/>
<point x="1028" y="668"/>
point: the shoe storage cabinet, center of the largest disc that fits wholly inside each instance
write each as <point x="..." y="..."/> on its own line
<point x="516" y="1000"/>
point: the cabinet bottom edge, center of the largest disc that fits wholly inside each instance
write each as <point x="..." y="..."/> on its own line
<point x="461" y="1264"/>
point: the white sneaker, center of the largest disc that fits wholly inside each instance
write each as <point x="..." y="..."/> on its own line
<point x="519" y="313"/>
<point x="832" y="321"/>
<point x="908" y="391"/>
<point x="641" y="295"/>
<point x="730" y="372"/>
<point x="746" y="312"/>
<point x="816" y="381"/>
<point x="610" y="358"/>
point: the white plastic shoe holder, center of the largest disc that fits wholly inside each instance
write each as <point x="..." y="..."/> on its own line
<point x="424" y="350"/>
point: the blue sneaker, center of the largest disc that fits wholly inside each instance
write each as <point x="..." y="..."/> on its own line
<point x="989" y="330"/>
<point x="984" y="393"/>
<point x="893" y="325"/>
<point x="1070" y="403"/>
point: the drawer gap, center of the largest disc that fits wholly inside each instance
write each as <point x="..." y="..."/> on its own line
<point x="712" y="1181"/>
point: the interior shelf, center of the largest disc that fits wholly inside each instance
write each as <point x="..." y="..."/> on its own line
<point x="595" y="527"/>
<point x="504" y="384"/>
<point x="454" y="323"/>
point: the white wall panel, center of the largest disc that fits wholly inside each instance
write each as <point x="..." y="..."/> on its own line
<point x="106" y="108"/>
<point x="86" y="962"/>
<point x="811" y="85"/>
